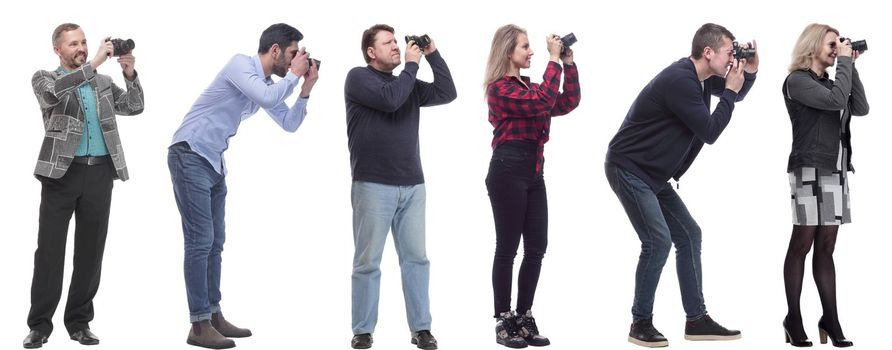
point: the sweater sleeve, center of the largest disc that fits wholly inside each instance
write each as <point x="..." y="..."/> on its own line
<point x="442" y="90"/>
<point x="803" y="89"/>
<point x="366" y="88"/>
<point x="859" y="99"/>
<point x="685" y="100"/>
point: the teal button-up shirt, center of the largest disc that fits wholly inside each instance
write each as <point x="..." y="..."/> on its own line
<point x="92" y="142"/>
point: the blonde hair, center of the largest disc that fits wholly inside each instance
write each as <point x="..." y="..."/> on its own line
<point x="503" y="44"/>
<point x="808" y="45"/>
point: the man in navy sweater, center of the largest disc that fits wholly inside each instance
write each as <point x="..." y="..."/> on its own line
<point x="661" y="135"/>
<point x="388" y="183"/>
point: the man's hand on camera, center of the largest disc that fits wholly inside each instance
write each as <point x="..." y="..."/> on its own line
<point x="752" y="64"/>
<point x="554" y="47"/>
<point x="309" y="80"/>
<point x="299" y="64"/>
<point x="127" y="64"/>
<point x="105" y="50"/>
<point x="734" y="77"/>
<point x="430" y="48"/>
<point x="413" y="53"/>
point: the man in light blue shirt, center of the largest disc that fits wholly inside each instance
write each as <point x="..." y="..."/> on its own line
<point x="198" y="171"/>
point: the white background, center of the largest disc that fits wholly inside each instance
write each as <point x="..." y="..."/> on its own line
<point x="289" y="248"/>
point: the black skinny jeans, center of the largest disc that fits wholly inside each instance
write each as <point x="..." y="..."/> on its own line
<point x="520" y="209"/>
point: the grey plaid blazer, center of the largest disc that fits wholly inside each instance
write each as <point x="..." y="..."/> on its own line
<point x="63" y="118"/>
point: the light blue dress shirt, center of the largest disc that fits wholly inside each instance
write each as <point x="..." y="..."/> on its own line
<point x="238" y="91"/>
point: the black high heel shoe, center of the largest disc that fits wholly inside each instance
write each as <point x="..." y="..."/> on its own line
<point x="799" y="343"/>
<point x="838" y="340"/>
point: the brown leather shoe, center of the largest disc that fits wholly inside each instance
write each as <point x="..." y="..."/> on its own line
<point x="228" y="329"/>
<point x="204" y="335"/>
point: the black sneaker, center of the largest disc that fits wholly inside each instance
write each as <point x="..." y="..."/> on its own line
<point x="508" y="332"/>
<point x="705" y="328"/>
<point x="529" y="331"/>
<point x="643" y="333"/>
<point x="424" y="339"/>
<point x="361" y="341"/>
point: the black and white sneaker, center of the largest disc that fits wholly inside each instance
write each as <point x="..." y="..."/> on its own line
<point x="643" y="333"/>
<point x="508" y="331"/>
<point x="705" y="328"/>
<point x="529" y="331"/>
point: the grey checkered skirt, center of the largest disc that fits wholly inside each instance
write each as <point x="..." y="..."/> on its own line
<point x="819" y="197"/>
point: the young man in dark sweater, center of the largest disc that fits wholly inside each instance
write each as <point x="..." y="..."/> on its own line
<point x="388" y="184"/>
<point x="661" y="135"/>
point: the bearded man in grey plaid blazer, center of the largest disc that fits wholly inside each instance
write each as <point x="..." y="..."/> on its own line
<point x="80" y="158"/>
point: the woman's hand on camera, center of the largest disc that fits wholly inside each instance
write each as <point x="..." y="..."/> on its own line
<point x="568" y="58"/>
<point x="554" y="47"/>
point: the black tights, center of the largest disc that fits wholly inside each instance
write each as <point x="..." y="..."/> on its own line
<point x="824" y="240"/>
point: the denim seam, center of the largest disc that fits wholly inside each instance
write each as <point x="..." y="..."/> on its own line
<point x="626" y="187"/>
<point x="697" y="278"/>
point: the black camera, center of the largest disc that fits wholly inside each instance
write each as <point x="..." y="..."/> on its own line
<point x="422" y="41"/>
<point x="857" y="45"/>
<point x="567" y="40"/>
<point x="742" y="52"/>
<point x="123" y="47"/>
<point x="311" y="60"/>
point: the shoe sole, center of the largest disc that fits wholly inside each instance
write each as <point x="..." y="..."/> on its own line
<point x="37" y="346"/>
<point x="85" y="343"/>
<point x="649" y="344"/>
<point x="518" y="346"/>
<point x="711" y="337"/>
<point x="415" y="342"/>
<point x="195" y="343"/>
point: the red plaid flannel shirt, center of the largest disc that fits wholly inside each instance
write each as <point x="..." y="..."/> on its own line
<point x="520" y="110"/>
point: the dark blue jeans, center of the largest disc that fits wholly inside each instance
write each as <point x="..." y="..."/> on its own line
<point x="661" y="219"/>
<point x="200" y="193"/>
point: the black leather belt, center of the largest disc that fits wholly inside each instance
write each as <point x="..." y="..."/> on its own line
<point x="87" y="160"/>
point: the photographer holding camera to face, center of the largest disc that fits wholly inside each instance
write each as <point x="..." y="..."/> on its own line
<point x="661" y="136"/>
<point x="198" y="171"/>
<point x="80" y="158"/>
<point x="388" y="190"/>
<point x="821" y="111"/>
<point x="520" y="112"/>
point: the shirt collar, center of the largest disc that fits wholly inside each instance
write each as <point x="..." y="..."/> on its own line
<point x="258" y="68"/>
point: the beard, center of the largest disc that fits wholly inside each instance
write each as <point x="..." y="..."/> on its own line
<point x="280" y="68"/>
<point x="77" y="60"/>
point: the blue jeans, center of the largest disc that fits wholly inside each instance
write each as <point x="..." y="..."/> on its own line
<point x="661" y="220"/>
<point x="378" y="209"/>
<point x="201" y="198"/>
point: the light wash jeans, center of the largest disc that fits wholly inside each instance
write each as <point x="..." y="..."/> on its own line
<point x="377" y="210"/>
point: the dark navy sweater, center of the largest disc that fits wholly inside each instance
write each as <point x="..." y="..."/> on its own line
<point x="383" y="118"/>
<point x="670" y="121"/>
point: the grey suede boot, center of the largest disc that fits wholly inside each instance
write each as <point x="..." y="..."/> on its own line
<point x="228" y="329"/>
<point x="204" y="335"/>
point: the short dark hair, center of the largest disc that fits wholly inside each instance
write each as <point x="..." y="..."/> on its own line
<point x="709" y="34"/>
<point x="279" y="33"/>
<point x="368" y="38"/>
<point x="62" y="28"/>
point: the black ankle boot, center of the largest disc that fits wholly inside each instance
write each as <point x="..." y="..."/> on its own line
<point x="797" y="340"/>
<point x="529" y="331"/>
<point x="835" y="334"/>
<point x="508" y="332"/>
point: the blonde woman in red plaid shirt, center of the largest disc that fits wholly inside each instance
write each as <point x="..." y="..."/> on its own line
<point x="521" y="111"/>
